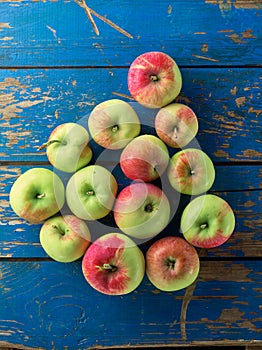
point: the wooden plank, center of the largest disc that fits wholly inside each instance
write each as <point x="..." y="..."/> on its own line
<point x="33" y="33"/>
<point x="20" y="239"/>
<point x="33" y="102"/>
<point x="50" y="305"/>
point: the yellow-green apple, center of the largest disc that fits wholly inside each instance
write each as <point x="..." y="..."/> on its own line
<point x="37" y="194"/>
<point x="114" y="264"/>
<point x="191" y="171"/>
<point x="67" y="148"/>
<point x="113" y="123"/>
<point x="154" y="79"/>
<point x="90" y="192"/>
<point x="172" y="264"/>
<point x="65" y="238"/>
<point x="176" y="125"/>
<point x="207" y="221"/>
<point x="141" y="210"/>
<point x="145" y="158"/>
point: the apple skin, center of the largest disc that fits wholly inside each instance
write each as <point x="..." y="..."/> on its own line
<point x="90" y="192"/>
<point x="176" y="125"/>
<point x="191" y="172"/>
<point x="67" y="148"/>
<point x="154" y="79"/>
<point x="208" y="221"/>
<point x="113" y="124"/>
<point x="114" y="264"/>
<point x="172" y="264"/>
<point x="141" y="210"/>
<point x="65" y="238"/>
<point x="145" y="158"/>
<point x="37" y="194"/>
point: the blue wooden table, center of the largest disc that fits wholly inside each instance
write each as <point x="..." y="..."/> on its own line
<point x="55" y="68"/>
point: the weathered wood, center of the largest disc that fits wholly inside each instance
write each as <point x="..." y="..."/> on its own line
<point x="33" y="102"/>
<point x="33" y="33"/>
<point x="50" y="305"/>
<point x="20" y="239"/>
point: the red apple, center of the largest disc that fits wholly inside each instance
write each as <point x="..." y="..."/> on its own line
<point x="172" y="264"/>
<point x="154" y="79"/>
<point x="145" y="158"/>
<point x="114" y="264"/>
<point x="176" y="125"/>
<point x="141" y="210"/>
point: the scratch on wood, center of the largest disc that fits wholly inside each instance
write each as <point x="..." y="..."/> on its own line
<point x="186" y="300"/>
<point x="54" y="34"/>
<point x="238" y="4"/>
<point x="4" y="25"/>
<point x="7" y="38"/>
<point x="122" y="95"/>
<point x="205" y="58"/>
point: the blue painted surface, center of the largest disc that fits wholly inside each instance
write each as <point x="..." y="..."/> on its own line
<point x="55" y="69"/>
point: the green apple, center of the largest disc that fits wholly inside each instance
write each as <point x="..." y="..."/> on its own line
<point x="90" y="192"/>
<point x="65" y="238"/>
<point x="37" y="194"/>
<point x="207" y="221"/>
<point x="68" y="147"/>
<point x="172" y="264"/>
<point x="113" y="124"/>
<point x="114" y="264"/>
<point x="191" y="171"/>
<point x="141" y="210"/>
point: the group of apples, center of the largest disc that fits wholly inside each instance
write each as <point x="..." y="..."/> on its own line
<point x="113" y="262"/>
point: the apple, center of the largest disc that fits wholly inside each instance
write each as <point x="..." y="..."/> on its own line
<point x="207" y="221"/>
<point x="65" y="238"/>
<point x="172" y="264"/>
<point x="37" y="194"/>
<point x="154" y="79"/>
<point x="176" y="125"/>
<point x="141" y="210"/>
<point x="113" y="123"/>
<point x="90" y="192"/>
<point x="145" y="158"/>
<point x="191" y="171"/>
<point x="114" y="264"/>
<point x="67" y="148"/>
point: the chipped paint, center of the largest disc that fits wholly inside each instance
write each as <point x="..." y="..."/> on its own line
<point x="226" y="5"/>
<point x="240" y="101"/>
<point x="205" y="58"/>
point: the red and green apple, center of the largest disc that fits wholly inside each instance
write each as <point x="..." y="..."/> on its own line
<point x="207" y="221"/>
<point x="65" y="238"/>
<point x="172" y="264"/>
<point x="90" y="192"/>
<point x="191" y="171"/>
<point x="114" y="264"/>
<point x="145" y="158"/>
<point x="37" y="194"/>
<point x="67" y="148"/>
<point x="154" y="79"/>
<point x="176" y="125"/>
<point x="113" y="124"/>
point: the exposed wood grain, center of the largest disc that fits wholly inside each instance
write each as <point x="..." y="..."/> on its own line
<point x="31" y="43"/>
<point x="54" y="301"/>
<point x="33" y="102"/>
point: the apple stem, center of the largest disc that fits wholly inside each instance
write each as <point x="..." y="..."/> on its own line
<point x="192" y="172"/>
<point x="115" y="128"/>
<point x="60" y="231"/>
<point x="90" y="192"/>
<point x="109" y="267"/>
<point x="203" y="226"/>
<point x="171" y="263"/>
<point x="48" y="143"/>
<point x="149" y="208"/>
<point x="175" y="132"/>
<point x="154" y="78"/>
<point x="40" y="196"/>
